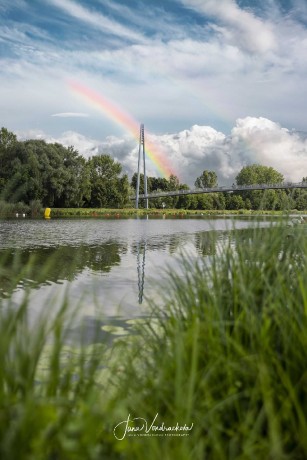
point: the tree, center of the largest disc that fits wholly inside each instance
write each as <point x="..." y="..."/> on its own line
<point x="34" y="170"/>
<point x="7" y="139"/>
<point x="77" y="190"/>
<point x="185" y="201"/>
<point x="234" y="201"/>
<point x="204" y="201"/>
<point x="299" y="197"/>
<point x="258" y="174"/>
<point x="108" y="189"/>
<point x="208" y="179"/>
<point x="173" y="184"/>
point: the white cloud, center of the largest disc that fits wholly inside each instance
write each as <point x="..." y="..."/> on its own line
<point x="85" y="145"/>
<point x="238" y="26"/>
<point x="70" y="115"/>
<point x="97" y="20"/>
<point x="184" y="79"/>
<point x="258" y="140"/>
<point x="252" y="140"/>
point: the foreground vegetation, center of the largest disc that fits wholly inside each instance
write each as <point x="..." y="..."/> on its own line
<point x="226" y="355"/>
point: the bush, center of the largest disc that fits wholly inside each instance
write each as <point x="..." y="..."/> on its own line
<point x="11" y="209"/>
<point x="36" y="208"/>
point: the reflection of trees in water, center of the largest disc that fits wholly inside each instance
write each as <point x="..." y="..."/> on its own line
<point x="171" y="243"/>
<point x="42" y="265"/>
<point x="176" y="242"/>
<point x="152" y="244"/>
<point x="206" y="242"/>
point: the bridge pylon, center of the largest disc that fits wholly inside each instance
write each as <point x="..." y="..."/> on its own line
<point x="141" y="153"/>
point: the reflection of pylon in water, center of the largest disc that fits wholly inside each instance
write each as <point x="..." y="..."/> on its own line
<point x="141" y="270"/>
<point x="141" y="151"/>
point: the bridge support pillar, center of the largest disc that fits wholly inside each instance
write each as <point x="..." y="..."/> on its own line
<point x="141" y="152"/>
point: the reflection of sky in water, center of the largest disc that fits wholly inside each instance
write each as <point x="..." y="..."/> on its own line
<point x="96" y="261"/>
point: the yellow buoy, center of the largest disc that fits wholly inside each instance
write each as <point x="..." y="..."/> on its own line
<point x="47" y="213"/>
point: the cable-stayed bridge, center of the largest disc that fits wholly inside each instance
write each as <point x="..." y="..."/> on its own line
<point x="228" y="189"/>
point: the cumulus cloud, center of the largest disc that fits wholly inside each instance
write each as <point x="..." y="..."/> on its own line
<point x="85" y="145"/>
<point x="190" y="151"/>
<point x="258" y="140"/>
<point x="252" y="140"/>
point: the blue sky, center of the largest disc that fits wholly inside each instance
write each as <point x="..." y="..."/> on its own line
<point x="171" y="64"/>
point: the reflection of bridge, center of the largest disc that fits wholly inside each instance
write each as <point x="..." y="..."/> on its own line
<point x="227" y="189"/>
<point x="141" y="268"/>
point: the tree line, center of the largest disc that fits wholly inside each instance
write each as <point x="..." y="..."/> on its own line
<point x="58" y="176"/>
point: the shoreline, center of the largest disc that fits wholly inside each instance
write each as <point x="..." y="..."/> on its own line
<point x="152" y="212"/>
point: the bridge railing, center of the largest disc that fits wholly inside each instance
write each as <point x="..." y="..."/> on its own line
<point x="223" y="188"/>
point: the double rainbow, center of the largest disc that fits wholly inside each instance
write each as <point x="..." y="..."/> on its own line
<point x="123" y="119"/>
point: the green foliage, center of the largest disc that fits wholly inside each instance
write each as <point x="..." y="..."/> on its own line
<point x="300" y="199"/>
<point x="58" y="176"/>
<point x="226" y="352"/>
<point x="10" y="209"/>
<point x="159" y="184"/>
<point x="234" y="201"/>
<point x="208" y="179"/>
<point x="7" y="139"/>
<point x="108" y="189"/>
<point x="258" y="174"/>
<point x="258" y="199"/>
<point x="48" y="391"/>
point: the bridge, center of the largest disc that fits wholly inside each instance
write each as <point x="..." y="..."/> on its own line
<point x="223" y="189"/>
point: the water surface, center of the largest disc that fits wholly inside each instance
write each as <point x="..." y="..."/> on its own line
<point x="109" y="267"/>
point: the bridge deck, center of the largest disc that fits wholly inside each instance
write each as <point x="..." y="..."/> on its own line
<point x="228" y="189"/>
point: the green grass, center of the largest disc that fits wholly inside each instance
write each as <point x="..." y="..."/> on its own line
<point x="132" y="212"/>
<point x="35" y="209"/>
<point x="230" y="355"/>
<point x="226" y="353"/>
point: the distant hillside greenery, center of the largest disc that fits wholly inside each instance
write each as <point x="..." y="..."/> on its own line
<point x="33" y="172"/>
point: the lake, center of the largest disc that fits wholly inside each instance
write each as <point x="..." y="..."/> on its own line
<point x="110" y="268"/>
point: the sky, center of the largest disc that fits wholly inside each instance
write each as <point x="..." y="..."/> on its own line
<point x="218" y="84"/>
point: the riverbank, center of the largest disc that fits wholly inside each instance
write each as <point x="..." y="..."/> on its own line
<point x="35" y="210"/>
<point x="152" y="212"/>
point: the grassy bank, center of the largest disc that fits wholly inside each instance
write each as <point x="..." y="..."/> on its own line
<point x="225" y="356"/>
<point x="131" y="212"/>
<point x="35" y="209"/>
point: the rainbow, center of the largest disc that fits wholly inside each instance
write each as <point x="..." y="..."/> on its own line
<point x="123" y="119"/>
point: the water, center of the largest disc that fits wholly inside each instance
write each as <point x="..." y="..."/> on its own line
<point x="109" y="267"/>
